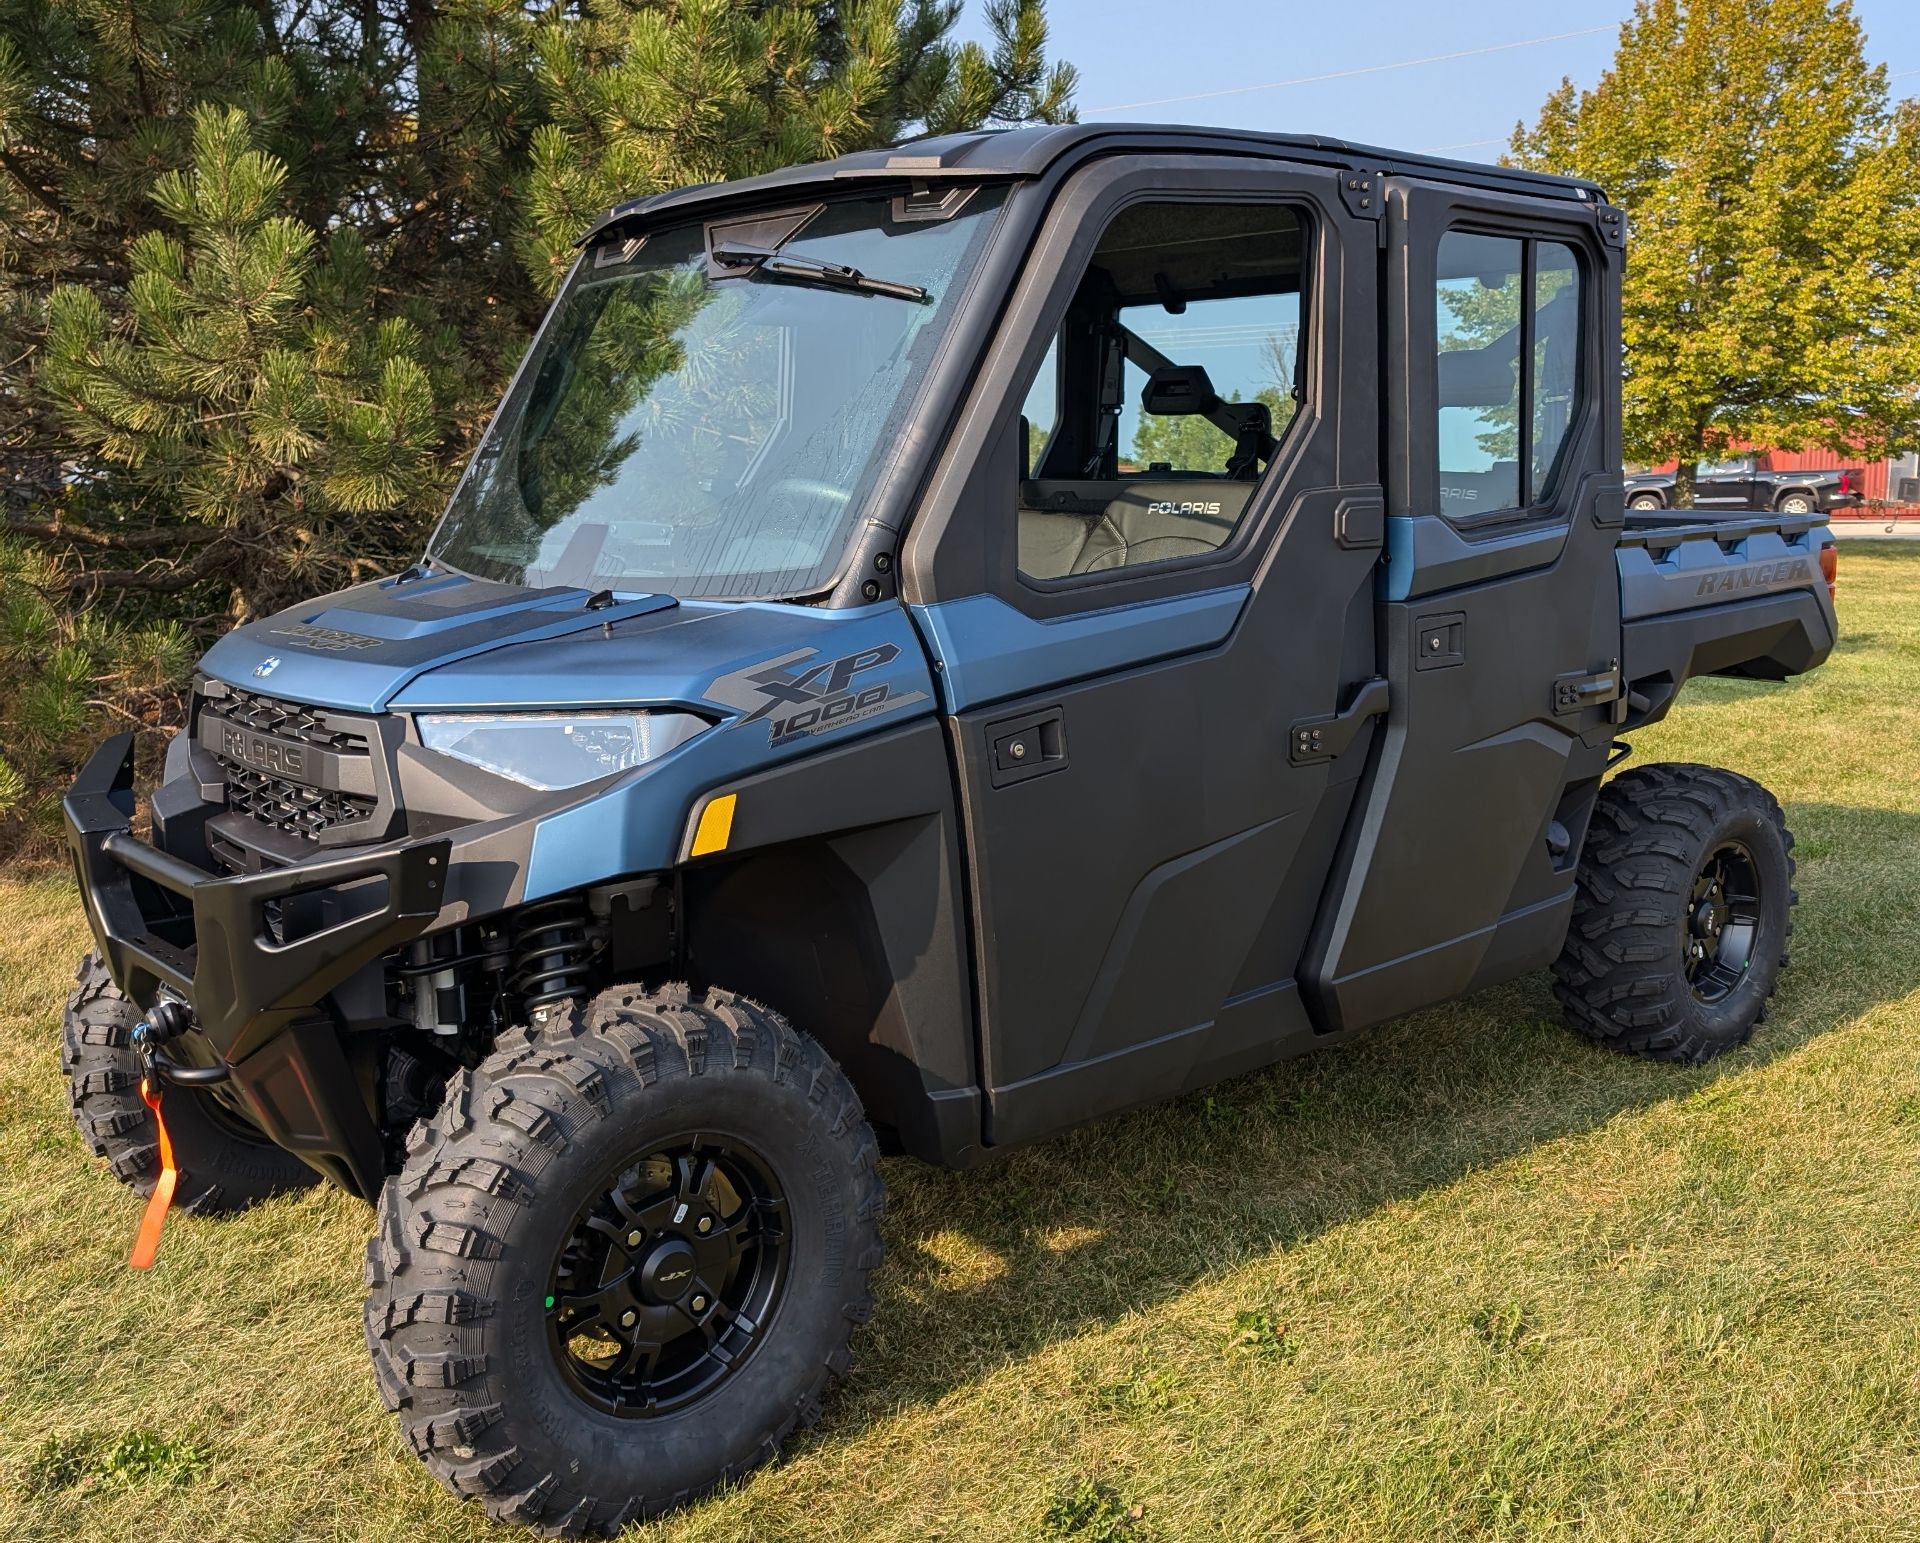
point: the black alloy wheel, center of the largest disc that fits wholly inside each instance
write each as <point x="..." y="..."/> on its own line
<point x="1723" y="920"/>
<point x="668" y="1281"/>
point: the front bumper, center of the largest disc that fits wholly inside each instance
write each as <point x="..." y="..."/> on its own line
<point x="255" y="987"/>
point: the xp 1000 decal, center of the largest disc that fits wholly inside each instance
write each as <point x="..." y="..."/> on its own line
<point x="800" y="694"/>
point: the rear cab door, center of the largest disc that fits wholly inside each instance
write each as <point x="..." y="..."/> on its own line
<point x="1500" y="614"/>
<point x="1147" y="612"/>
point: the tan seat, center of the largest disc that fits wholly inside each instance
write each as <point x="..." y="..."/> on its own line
<point x="1153" y="520"/>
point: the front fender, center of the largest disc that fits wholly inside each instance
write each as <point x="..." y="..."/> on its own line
<point x="863" y="672"/>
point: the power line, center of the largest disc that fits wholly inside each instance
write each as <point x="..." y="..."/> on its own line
<point x="1364" y="69"/>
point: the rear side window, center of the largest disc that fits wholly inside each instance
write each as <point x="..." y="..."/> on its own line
<point x="1508" y="323"/>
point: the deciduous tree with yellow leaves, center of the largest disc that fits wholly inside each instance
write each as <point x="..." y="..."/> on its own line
<point x="1772" y="291"/>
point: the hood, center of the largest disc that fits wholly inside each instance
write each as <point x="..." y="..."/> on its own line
<point x="454" y="644"/>
<point x="356" y="649"/>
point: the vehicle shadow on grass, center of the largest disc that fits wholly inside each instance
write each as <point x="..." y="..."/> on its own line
<point x="992" y="1266"/>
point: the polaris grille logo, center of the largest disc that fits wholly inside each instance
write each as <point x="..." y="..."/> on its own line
<point x="267" y="755"/>
<point x="1164" y="506"/>
<point x="1756" y="576"/>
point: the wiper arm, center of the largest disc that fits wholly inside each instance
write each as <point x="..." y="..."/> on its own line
<point x="813" y="270"/>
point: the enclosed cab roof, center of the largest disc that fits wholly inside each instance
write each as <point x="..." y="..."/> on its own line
<point x="1023" y="153"/>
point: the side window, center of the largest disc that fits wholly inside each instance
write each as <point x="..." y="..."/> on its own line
<point x="1507" y="315"/>
<point x="1040" y="412"/>
<point x="1554" y="394"/>
<point x="1164" y="397"/>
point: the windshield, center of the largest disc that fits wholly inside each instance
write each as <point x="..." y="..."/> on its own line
<point x="703" y="431"/>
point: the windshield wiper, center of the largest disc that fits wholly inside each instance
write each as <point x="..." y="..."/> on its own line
<point x="812" y="270"/>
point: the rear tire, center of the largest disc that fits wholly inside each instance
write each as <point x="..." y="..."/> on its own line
<point x="223" y="1168"/>
<point x="1798" y="503"/>
<point x="1682" y="914"/>
<point x="1645" y="501"/>
<point x="564" y="1265"/>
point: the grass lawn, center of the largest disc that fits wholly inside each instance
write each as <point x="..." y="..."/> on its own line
<point x="1470" y="1277"/>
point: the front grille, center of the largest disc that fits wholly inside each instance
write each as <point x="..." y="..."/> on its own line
<point x="279" y="802"/>
<point x="289" y="807"/>
<point x="289" y="720"/>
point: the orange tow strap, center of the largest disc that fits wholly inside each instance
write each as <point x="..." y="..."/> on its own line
<point x="146" y="1244"/>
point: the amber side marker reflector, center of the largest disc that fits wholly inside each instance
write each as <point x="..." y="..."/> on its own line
<point x="146" y="1243"/>
<point x="715" y="827"/>
<point x="1830" y="568"/>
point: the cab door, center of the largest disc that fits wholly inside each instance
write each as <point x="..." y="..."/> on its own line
<point x="1500" y="621"/>
<point x="1145" y="573"/>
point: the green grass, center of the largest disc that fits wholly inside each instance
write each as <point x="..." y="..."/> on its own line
<point x="1470" y="1277"/>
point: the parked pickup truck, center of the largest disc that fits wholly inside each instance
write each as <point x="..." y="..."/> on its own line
<point x="1743" y="483"/>
<point x="803" y="738"/>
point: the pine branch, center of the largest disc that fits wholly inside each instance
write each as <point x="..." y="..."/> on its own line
<point x="153" y="581"/>
<point x="57" y="531"/>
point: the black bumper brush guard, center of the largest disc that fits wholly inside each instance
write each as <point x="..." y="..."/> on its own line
<point x="171" y="932"/>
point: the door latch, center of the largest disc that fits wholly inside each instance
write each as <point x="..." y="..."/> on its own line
<point x="1021" y="748"/>
<point x="1579" y="691"/>
<point x="1313" y="740"/>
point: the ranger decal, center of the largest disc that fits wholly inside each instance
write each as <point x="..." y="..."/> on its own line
<point x="1795" y="570"/>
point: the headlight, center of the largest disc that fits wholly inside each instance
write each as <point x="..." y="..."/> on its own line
<point x="556" y="750"/>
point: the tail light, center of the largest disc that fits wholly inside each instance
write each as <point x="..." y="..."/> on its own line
<point x="1846" y="483"/>
<point x="1830" y="568"/>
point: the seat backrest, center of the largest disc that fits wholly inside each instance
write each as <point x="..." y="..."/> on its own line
<point x="1152" y="520"/>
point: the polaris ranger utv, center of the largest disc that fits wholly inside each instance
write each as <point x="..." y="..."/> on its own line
<point x="936" y="647"/>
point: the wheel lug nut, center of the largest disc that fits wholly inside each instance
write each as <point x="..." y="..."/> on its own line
<point x="634" y="1237"/>
<point x="705" y="1224"/>
<point x="699" y="1304"/>
<point x="629" y="1318"/>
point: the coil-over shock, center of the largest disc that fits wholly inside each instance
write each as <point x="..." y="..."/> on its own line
<point x="552" y="952"/>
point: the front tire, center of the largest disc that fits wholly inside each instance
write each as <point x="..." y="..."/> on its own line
<point x="225" y="1164"/>
<point x="623" y="1261"/>
<point x="1682" y="914"/>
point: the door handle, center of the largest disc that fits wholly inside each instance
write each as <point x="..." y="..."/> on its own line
<point x="1312" y="740"/>
<point x="1022" y="748"/>
<point x="1574" y="693"/>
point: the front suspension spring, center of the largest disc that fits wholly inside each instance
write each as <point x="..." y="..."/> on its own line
<point x="552" y="953"/>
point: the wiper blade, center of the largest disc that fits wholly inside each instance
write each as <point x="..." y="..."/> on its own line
<point x="813" y="270"/>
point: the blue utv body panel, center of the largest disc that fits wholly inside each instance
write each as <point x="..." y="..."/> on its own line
<point x="992" y="651"/>
<point x="354" y="650"/>
<point x="779" y="681"/>
<point x="718" y="658"/>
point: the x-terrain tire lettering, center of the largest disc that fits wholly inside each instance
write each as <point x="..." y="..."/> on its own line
<point x="623" y="1261"/>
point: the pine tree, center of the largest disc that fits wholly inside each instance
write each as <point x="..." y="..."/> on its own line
<point x="266" y="266"/>
<point x="1772" y="291"/>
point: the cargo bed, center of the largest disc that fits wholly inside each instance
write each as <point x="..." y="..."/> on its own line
<point x="1743" y="593"/>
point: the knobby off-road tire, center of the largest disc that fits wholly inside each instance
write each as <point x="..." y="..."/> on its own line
<point x="1682" y="914"/>
<point x="514" y="1221"/>
<point x="223" y="1166"/>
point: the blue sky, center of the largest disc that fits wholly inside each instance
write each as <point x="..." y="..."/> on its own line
<point x="1132" y="53"/>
